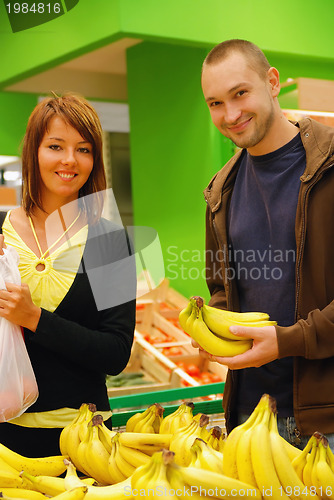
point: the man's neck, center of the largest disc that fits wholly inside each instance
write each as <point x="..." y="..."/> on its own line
<point x="281" y="132"/>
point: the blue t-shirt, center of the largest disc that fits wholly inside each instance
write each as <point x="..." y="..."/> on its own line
<point x="261" y="226"/>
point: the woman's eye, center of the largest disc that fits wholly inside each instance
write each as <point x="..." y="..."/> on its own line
<point x="54" y="147"/>
<point x="214" y="104"/>
<point x="84" y="150"/>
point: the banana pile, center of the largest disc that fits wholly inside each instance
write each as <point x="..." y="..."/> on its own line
<point x="209" y="327"/>
<point x="162" y="456"/>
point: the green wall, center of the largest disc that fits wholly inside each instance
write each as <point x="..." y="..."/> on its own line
<point x="15" y="110"/>
<point x="295" y="27"/>
<point x="174" y="153"/>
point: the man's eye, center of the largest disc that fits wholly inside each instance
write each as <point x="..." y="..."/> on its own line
<point x="241" y="92"/>
<point x="214" y="104"/>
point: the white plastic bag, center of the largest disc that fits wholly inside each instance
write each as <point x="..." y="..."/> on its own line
<point x="18" y="387"/>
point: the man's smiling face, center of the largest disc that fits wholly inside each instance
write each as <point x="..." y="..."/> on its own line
<point x="241" y="102"/>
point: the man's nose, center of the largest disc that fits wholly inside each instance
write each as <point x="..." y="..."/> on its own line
<point x="232" y="114"/>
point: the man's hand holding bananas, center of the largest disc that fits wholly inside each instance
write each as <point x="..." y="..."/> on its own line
<point x="264" y="348"/>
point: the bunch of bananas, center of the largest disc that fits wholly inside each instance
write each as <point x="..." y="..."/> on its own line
<point x="182" y="440"/>
<point x="255" y="453"/>
<point x="209" y="327"/>
<point x="162" y="476"/>
<point x="315" y="466"/>
<point x="87" y="442"/>
<point x="107" y="456"/>
<point x="147" y="421"/>
<point x="181" y="417"/>
<point x="205" y="457"/>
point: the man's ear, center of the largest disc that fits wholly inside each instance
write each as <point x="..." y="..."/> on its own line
<point x="273" y="80"/>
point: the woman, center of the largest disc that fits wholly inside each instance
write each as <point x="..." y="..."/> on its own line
<point x="73" y="338"/>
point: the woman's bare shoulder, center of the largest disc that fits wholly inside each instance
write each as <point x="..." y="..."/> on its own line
<point x="18" y="218"/>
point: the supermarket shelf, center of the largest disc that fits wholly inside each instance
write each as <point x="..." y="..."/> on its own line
<point x="134" y="403"/>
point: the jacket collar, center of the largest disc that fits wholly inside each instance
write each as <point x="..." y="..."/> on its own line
<point x="318" y="141"/>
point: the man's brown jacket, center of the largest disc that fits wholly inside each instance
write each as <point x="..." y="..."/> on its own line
<point x="310" y="340"/>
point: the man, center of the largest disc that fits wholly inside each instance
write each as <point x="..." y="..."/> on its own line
<point x="270" y="214"/>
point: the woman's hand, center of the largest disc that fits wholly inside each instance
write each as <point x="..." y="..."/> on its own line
<point x="2" y="244"/>
<point x="17" y="306"/>
<point x="264" y="349"/>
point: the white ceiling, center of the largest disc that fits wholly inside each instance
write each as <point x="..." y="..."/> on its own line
<point x="97" y="74"/>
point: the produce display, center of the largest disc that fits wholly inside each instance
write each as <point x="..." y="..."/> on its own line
<point x="209" y="327"/>
<point x="178" y="455"/>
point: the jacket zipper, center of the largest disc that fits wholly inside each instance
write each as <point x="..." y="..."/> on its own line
<point x="303" y="237"/>
<point x="228" y="295"/>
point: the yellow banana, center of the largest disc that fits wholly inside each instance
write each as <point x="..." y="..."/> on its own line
<point x="184" y="315"/>
<point x="232" y="439"/>
<point x="134" y="457"/>
<point x="299" y="462"/>
<point x="146" y="442"/>
<point x="77" y="493"/>
<point x="330" y="457"/>
<point x="307" y="471"/>
<point x="10" y="479"/>
<point x="213" y="484"/>
<point x="116" y="476"/>
<point x="262" y="459"/>
<point x="65" y="433"/>
<point x="112" y="492"/>
<point x="183" y="439"/>
<point x="105" y="436"/>
<point x="73" y="438"/>
<point x="96" y="456"/>
<point x="243" y="458"/>
<point x="219" y="321"/>
<point x="247" y="317"/>
<point x="79" y="458"/>
<point x="48" y="485"/>
<point x="292" y="451"/>
<point x="324" y="473"/>
<point x="22" y="493"/>
<point x="123" y="465"/>
<point x="210" y="342"/>
<point x="181" y="417"/>
<point x="287" y="475"/>
<point x="50" y="466"/>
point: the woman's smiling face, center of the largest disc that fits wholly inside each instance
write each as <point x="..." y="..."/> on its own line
<point x="65" y="161"/>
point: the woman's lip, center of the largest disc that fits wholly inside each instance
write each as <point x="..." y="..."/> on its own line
<point x="240" y="126"/>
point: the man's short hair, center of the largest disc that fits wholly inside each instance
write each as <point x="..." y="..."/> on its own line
<point x="254" y="55"/>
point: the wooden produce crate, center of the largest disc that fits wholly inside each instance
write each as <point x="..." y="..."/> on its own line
<point x="160" y="372"/>
<point x="162" y="333"/>
<point x="163" y="299"/>
<point x="205" y="367"/>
